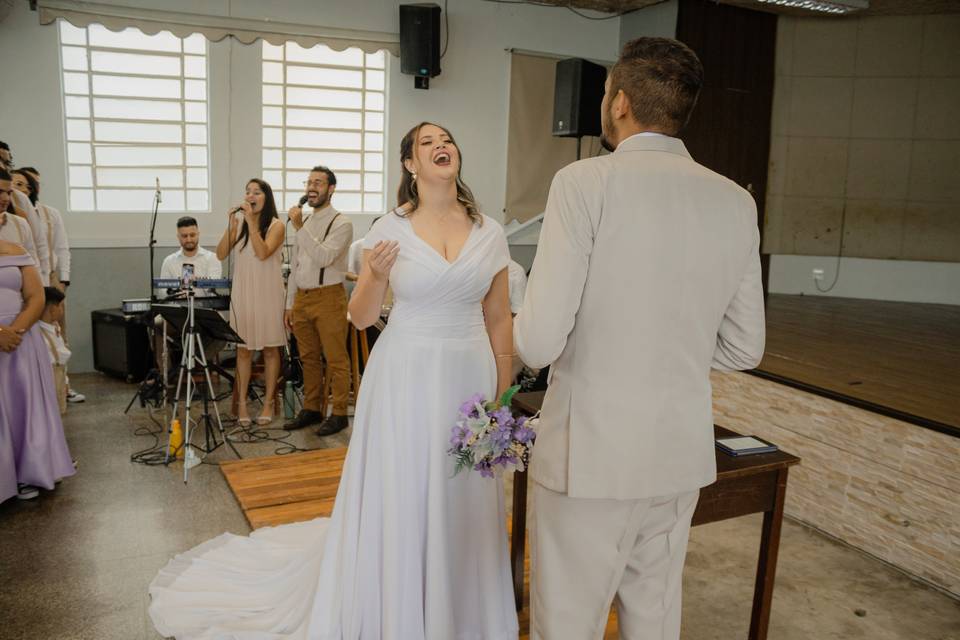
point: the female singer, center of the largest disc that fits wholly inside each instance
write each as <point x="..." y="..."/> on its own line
<point x="257" y="299"/>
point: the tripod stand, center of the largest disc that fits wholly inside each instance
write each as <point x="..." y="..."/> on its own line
<point x="192" y="358"/>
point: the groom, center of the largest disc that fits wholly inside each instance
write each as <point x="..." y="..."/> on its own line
<point x="647" y="275"/>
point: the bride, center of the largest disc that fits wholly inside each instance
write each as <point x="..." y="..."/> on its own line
<point x="410" y="551"/>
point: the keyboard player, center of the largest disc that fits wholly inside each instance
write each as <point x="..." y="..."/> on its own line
<point x="205" y="266"/>
<point x="205" y="263"/>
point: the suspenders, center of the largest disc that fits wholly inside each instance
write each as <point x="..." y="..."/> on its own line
<point x="16" y="226"/>
<point x="325" y="234"/>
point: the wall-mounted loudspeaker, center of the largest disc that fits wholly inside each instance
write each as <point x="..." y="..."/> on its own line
<point x="420" y="42"/>
<point x="577" y="98"/>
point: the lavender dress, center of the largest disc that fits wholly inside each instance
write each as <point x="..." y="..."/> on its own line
<point x="33" y="449"/>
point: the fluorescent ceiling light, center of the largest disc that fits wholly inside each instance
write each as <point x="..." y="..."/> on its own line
<point x="825" y="6"/>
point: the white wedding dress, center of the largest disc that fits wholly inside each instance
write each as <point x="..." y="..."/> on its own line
<point x="410" y="552"/>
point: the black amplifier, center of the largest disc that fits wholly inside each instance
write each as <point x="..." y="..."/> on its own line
<point x="121" y="344"/>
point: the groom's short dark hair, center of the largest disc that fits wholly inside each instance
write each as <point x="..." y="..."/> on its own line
<point x="662" y="78"/>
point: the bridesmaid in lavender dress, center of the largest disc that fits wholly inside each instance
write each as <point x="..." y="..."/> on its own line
<point x="33" y="450"/>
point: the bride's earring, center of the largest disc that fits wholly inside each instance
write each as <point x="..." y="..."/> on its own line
<point x="414" y="176"/>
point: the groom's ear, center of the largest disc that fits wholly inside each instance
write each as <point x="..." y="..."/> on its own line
<point x="621" y="106"/>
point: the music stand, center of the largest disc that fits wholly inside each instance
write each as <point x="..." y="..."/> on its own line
<point x="193" y="324"/>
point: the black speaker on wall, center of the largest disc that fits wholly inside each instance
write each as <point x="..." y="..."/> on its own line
<point x="420" y="42"/>
<point x="577" y="98"/>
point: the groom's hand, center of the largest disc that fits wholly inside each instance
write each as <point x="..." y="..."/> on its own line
<point x="382" y="258"/>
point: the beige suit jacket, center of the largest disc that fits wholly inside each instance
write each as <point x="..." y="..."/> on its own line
<point x="647" y="274"/>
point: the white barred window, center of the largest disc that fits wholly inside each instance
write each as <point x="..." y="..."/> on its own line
<point x="135" y="108"/>
<point x="325" y="107"/>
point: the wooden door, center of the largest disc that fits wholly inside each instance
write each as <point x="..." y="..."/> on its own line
<point x="729" y="130"/>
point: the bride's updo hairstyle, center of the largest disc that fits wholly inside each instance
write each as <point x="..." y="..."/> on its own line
<point x="407" y="193"/>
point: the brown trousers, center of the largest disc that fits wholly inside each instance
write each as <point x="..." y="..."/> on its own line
<point x="320" y="325"/>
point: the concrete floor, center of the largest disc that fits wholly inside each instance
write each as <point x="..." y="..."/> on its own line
<point x="75" y="563"/>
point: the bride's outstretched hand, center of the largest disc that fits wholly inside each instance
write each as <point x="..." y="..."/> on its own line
<point x="382" y="257"/>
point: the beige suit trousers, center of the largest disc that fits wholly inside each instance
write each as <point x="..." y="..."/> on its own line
<point x="588" y="553"/>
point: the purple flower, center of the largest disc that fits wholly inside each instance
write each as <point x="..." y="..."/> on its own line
<point x="469" y="407"/>
<point x="503" y="416"/>
<point x="524" y="434"/>
<point x="460" y="434"/>
<point x="484" y="468"/>
<point x="504" y="459"/>
<point x="502" y="437"/>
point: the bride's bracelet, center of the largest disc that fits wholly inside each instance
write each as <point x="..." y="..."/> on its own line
<point x="505" y="355"/>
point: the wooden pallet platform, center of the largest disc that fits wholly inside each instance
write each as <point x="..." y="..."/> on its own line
<point x="292" y="488"/>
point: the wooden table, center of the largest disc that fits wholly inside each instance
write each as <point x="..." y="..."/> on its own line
<point x="745" y="485"/>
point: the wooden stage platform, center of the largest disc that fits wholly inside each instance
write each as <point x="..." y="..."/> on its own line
<point x="900" y="359"/>
<point x="293" y="488"/>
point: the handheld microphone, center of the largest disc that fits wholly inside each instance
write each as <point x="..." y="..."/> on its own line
<point x="303" y="200"/>
<point x="237" y="209"/>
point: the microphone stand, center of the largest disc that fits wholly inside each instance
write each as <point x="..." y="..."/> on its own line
<point x="153" y="239"/>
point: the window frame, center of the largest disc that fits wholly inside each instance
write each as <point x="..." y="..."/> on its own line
<point x="276" y="145"/>
<point x="188" y="118"/>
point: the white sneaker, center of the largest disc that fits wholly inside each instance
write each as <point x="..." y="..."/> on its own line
<point x="27" y="492"/>
<point x="74" y="397"/>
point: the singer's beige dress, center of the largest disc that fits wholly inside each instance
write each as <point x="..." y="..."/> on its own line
<point x="257" y="299"/>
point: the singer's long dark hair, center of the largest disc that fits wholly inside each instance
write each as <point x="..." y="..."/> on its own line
<point x="267" y="214"/>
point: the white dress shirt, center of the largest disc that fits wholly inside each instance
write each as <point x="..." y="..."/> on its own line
<point x="41" y="253"/>
<point x="205" y="264"/>
<point x="355" y="256"/>
<point x="15" y="229"/>
<point x="57" y="237"/>
<point x="59" y="353"/>
<point x="518" y="285"/>
<point x="311" y="252"/>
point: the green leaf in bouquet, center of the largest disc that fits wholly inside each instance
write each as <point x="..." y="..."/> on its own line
<point x="507" y="396"/>
<point x="490" y="406"/>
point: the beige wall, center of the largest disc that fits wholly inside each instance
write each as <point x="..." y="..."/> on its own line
<point x="866" y="116"/>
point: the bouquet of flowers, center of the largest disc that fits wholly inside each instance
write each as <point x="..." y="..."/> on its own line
<point x="489" y="439"/>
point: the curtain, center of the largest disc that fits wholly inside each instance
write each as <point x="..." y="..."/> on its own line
<point x="213" y="27"/>
<point x="534" y="155"/>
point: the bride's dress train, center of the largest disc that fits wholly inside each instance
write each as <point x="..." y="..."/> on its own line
<point x="409" y="552"/>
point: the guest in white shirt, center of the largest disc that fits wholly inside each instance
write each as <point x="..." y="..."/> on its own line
<point x="518" y="285"/>
<point x="355" y="256"/>
<point x="13" y="228"/>
<point x="56" y="236"/>
<point x="205" y="263"/>
<point x="23" y="208"/>
<point x="317" y="302"/>
<point x="59" y="353"/>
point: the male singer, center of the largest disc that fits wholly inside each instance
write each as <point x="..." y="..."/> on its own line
<point x="317" y="302"/>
